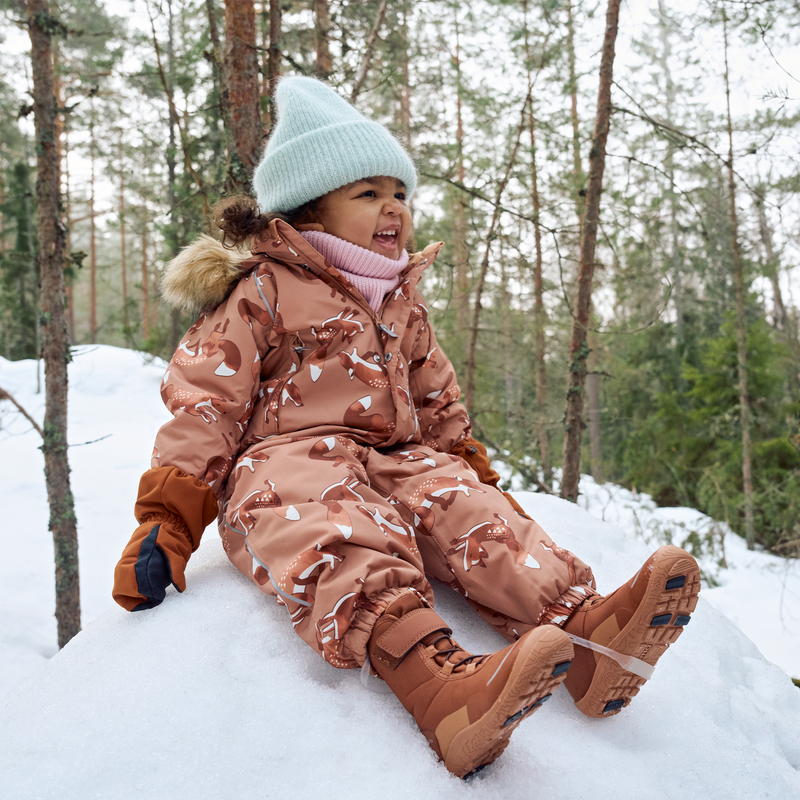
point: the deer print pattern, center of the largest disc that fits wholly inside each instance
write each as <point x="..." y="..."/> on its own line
<point x="325" y="431"/>
<point x="471" y="544"/>
<point x="333" y="544"/>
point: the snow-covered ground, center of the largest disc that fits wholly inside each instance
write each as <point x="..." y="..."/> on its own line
<point x="210" y="695"/>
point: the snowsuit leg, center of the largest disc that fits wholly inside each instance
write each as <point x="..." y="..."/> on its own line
<point x="472" y="539"/>
<point x="336" y="531"/>
<point x="302" y="521"/>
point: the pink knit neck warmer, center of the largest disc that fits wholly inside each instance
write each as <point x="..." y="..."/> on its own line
<point x="371" y="273"/>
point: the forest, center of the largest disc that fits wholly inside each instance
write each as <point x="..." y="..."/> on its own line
<point x="618" y="287"/>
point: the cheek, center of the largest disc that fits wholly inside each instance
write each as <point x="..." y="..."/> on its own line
<point x="408" y="229"/>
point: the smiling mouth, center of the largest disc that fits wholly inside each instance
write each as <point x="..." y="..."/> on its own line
<point x="386" y="239"/>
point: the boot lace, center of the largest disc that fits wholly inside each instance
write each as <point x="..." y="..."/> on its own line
<point x="442" y="655"/>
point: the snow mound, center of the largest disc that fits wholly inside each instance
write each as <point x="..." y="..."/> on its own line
<point x="211" y="695"/>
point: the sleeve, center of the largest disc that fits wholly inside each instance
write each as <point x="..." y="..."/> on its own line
<point x="435" y="392"/>
<point x="211" y="384"/>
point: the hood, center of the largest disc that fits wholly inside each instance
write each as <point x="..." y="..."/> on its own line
<point x="202" y="275"/>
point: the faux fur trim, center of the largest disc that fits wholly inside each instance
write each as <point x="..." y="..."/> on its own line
<point x="202" y="275"/>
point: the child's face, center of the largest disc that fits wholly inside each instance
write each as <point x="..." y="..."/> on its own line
<point x="371" y="213"/>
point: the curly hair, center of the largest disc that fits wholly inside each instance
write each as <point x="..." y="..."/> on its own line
<point x="239" y="218"/>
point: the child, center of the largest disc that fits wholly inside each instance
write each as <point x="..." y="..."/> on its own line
<point x="316" y="416"/>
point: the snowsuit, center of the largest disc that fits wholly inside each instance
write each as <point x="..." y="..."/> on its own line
<point x="326" y="432"/>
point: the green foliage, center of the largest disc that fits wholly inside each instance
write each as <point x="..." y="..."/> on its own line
<point x="19" y="279"/>
<point x="684" y="447"/>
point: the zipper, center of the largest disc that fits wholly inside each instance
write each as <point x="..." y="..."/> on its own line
<point x="376" y="320"/>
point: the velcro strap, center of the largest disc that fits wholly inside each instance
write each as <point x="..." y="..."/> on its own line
<point x="409" y="630"/>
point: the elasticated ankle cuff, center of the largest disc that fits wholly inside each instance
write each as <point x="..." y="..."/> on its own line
<point x="354" y="644"/>
<point x="561" y="610"/>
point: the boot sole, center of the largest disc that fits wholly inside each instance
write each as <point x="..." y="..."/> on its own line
<point x="540" y="668"/>
<point x="665" y="610"/>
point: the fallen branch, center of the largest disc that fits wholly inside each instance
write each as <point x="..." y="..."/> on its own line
<point x="4" y="395"/>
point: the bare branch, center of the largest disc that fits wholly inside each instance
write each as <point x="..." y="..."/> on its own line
<point x="367" y="60"/>
<point x="5" y="395"/>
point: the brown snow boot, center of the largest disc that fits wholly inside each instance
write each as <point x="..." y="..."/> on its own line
<point x="467" y="706"/>
<point x="638" y="622"/>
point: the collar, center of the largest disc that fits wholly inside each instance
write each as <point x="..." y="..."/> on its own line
<point x="281" y="242"/>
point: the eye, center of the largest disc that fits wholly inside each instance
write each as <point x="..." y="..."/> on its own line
<point x="401" y="196"/>
<point x="368" y="193"/>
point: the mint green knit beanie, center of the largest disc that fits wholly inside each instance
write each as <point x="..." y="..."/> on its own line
<point x="319" y="143"/>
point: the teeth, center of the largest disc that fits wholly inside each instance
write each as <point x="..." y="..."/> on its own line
<point x="386" y="233"/>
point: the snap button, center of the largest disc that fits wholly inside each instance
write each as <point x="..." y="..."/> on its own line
<point x="376" y="358"/>
<point x="388" y="357"/>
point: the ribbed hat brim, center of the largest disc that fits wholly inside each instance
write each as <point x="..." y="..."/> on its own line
<point x="306" y="165"/>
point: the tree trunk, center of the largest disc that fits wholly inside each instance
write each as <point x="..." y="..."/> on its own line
<point x="220" y="77"/>
<point x="61" y="134"/>
<point x="366" y="61"/>
<point x="469" y="394"/>
<point x="175" y="240"/>
<point x="122" y="247"/>
<point x="771" y="267"/>
<point x="54" y="333"/>
<point x="92" y="244"/>
<point x="405" y="88"/>
<point x="274" y="65"/>
<point x="70" y="287"/>
<point x="577" y="167"/>
<point x="242" y="73"/>
<point x="145" y="281"/>
<point x="539" y="314"/>
<point x="322" y="30"/>
<point x="593" y="417"/>
<point x="507" y="326"/>
<point x="578" y="180"/>
<point x="539" y="319"/>
<point x="460" y="250"/>
<point x="781" y="319"/>
<point x="578" y="348"/>
<point x="741" y="322"/>
<point x="264" y="86"/>
<point x="3" y="200"/>
<point x="676" y="265"/>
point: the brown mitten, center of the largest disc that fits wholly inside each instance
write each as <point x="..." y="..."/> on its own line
<point x="174" y="509"/>
<point x="474" y="453"/>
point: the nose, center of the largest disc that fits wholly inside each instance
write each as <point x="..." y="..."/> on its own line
<point x="392" y="206"/>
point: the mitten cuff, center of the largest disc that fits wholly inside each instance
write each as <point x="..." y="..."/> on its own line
<point x="474" y="453"/>
<point x="167" y="494"/>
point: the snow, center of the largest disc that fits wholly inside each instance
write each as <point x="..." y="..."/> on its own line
<point x="211" y="695"/>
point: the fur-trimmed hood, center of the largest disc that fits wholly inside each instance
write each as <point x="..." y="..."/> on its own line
<point x="202" y="275"/>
